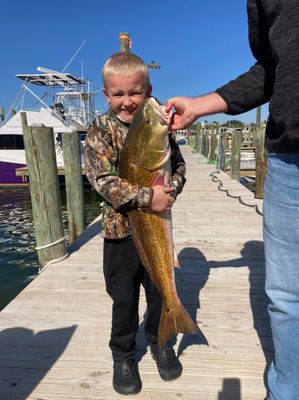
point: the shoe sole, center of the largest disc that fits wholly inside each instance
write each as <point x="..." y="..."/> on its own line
<point x="125" y="392"/>
<point x="172" y="378"/>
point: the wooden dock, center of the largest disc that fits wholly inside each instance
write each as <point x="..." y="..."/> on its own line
<point x="54" y="334"/>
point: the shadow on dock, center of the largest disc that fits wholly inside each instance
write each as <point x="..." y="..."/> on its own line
<point x="89" y="233"/>
<point x="194" y="262"/>
<point x="191" y="304"/>
<point x="26" y="357"/>
<point x="192" y="277"/>
<point x="231" y="389"/>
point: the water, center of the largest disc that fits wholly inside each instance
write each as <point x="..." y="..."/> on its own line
<point x="18" y="259"/>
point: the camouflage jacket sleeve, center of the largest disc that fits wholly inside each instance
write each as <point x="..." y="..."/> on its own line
<point x="178" y="168"/>
<point x="102" y="147"/>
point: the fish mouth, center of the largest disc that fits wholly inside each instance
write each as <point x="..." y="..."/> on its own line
<point x="164" y="118"/>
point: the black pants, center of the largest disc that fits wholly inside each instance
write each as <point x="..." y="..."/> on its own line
<point x="124" y="274"/>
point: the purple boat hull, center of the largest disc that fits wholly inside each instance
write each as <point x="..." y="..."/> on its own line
<point x="8" y="174"/>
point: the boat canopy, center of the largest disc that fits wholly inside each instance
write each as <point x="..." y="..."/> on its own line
<point x="51" y="79"/>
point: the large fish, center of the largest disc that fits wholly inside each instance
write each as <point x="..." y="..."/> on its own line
<point x="145" y="161"/>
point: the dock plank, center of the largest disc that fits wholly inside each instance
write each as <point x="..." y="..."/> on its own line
<point x="54" y="334"/>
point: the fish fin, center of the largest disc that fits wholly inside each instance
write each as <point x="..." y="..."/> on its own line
<point x="157" y="178"/>
<point x="173" y="321"/>
<point x="176" y="262"/>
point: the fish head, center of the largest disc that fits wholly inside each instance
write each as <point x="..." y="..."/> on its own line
<point x="149" y="131"/>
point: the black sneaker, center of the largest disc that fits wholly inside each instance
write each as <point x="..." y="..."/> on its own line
<point x="126" y="379"/>
<point x="168" y="364"/>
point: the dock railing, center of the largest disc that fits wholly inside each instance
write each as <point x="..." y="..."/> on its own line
<point x="236" y="152"/>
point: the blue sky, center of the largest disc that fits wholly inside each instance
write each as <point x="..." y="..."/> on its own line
<point x="200" y="45"/>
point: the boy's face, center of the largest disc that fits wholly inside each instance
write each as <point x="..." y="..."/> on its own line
<point x="125" y="94"/>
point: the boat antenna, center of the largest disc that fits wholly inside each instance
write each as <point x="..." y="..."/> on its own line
<point x="73" y="56"/>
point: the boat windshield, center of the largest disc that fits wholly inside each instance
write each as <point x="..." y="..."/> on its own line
<point x="71" y="98"/>
<point x="11" y="142"/>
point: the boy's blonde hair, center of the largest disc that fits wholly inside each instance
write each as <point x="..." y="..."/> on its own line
<point x="125" y="64"/>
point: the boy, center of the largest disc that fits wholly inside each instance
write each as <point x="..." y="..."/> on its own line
<point x="126" y="85"/>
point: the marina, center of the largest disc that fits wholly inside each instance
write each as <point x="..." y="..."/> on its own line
<point x="59" y="100"/>
<point x="55" y="333"/>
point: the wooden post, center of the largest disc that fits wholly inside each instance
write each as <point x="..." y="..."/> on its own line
<point x="73" y="184"/>
<point x="190" y="140"/>
<point x="198" y="144"/>
<point x="207" y="144"/>
<point x="125" y="42"/>
<point x="222" y="151"/>
<point x="260" y="163"/>
<point x="213" y="146"/>
<point x="236" y="154"/>
<point x="203" y="141"/>
<point x="258" y="117"/>
<point x="44" y="192"/>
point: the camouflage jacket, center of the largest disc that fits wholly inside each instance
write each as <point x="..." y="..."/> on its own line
<point x="103" y="145"/>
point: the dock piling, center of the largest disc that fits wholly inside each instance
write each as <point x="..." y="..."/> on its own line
<point x="44" y="192"/>
<point x="73" y="184"/>
<point x="236" y="154"/>
<point x="125" y="42"/>
<point x="260" y="163"/>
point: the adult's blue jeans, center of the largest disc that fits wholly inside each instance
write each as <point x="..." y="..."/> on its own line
<point x="281" y="239"/>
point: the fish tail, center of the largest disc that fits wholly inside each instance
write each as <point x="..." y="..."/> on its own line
<point x="174" y="320"/>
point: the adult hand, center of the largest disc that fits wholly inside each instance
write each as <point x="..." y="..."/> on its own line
<point x="162" y="200"/>
<point x="188" y="109"/>
<point x="184" y="114"/>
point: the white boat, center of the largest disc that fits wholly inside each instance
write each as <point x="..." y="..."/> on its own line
<point x="70" y="109"/>
<point x="181" y="136"/>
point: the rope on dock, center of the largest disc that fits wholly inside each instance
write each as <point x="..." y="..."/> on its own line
<point x="56" y="260"/>
<point x="220" y="186"/>
<point x="50" y="244"/>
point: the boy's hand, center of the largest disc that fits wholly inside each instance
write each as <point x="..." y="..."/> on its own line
<point x="162" y="200"/>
